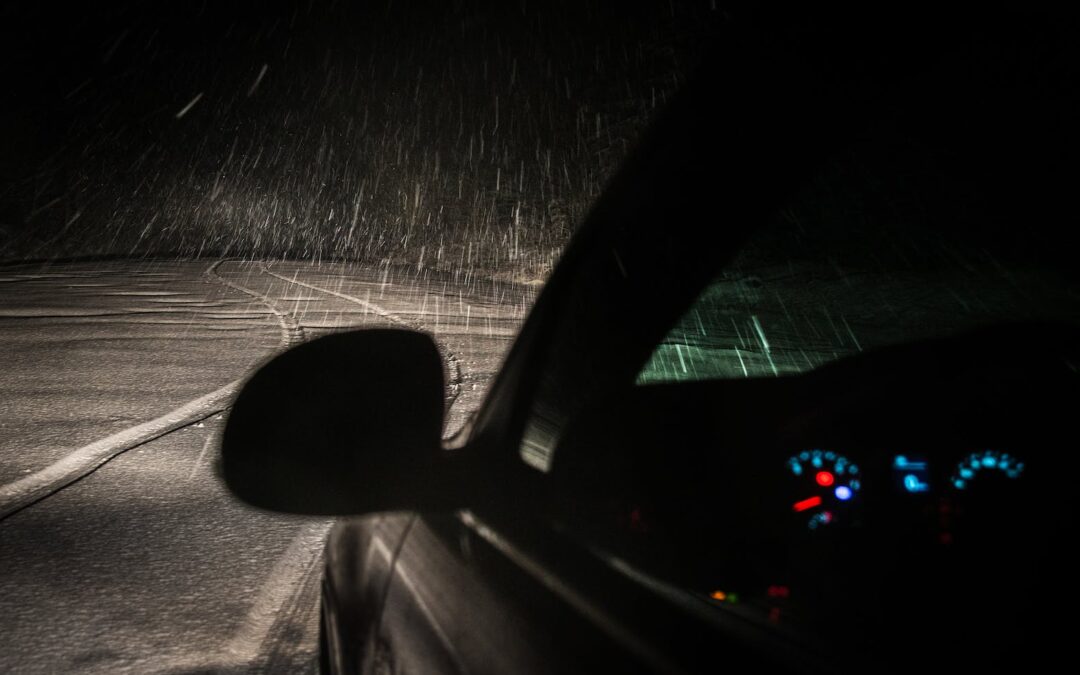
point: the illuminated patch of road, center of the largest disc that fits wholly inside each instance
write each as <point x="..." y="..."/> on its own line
<point x="21" y="493"/>
<point x="282" y="600"/>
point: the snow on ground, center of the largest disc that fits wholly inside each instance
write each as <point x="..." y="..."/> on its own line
<point x="148" y="564"/>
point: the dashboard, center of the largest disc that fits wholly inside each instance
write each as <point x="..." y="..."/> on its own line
<point x="906" y="507"/>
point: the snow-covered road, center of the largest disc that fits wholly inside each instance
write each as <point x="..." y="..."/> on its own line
<point x="119" y="549"/>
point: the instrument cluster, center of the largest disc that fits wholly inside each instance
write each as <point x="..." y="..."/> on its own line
<point x="827" y="488"/>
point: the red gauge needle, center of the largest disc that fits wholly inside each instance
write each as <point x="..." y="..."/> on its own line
<point x="808" y="503"/>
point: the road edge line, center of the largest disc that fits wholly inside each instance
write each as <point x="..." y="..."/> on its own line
<point x="280" y="589"/>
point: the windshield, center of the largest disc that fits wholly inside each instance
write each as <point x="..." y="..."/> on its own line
<point x="885" y="245"/>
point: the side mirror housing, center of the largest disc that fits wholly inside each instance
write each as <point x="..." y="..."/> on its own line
<point x="346" y="424"/>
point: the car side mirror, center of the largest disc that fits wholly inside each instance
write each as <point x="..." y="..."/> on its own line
<point x="346" y="424"/>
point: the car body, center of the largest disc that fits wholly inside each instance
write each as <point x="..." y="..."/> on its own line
<point x="605" y="512"/>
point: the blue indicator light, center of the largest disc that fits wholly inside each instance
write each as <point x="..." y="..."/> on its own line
<point x="796" y="468"/>
<point x="902" y="462"/>
<point x="971" y="465"/>
<point x="843" y="493"/>
<point x="816" y="461"/>
<point x="804" y="455"/>
<point x="830" y="456"/>
<point x="855" y="485"/>
<point x="853" y="469"/>
<point x="913" y="484"/>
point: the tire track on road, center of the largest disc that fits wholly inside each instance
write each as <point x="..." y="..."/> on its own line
<point x="18" y="495"/>
<point x="292" y="333"/>
<point x="453" y="385"/>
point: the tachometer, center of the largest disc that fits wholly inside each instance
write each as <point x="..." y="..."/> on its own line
<point x="827" y="483"/>
<point x="985" y="462"/>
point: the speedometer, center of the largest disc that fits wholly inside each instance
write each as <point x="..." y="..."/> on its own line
<point x="827" y="483"/>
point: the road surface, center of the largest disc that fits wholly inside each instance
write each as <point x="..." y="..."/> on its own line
<point x="120" y="550"/>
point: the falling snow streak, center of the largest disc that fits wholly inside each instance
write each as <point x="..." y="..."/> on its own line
<point x="447" y="137"/>
<point x="189" y="106"/>
<point x="258" y="79"/>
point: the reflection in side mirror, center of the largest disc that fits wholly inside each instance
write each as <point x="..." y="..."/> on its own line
<point x="345" y="424"/>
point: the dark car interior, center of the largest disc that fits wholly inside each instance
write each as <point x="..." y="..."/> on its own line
<point x="894" y="509"/>
<point x="898" y="503"/>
